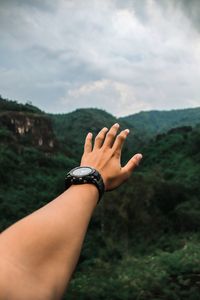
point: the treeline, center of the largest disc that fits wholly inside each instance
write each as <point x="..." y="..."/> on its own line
<point x="13" y="105"/>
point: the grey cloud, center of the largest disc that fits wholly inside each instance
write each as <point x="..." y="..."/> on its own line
<point x="41" y="5"/>
<point x="123" y="56"/>
<point x="192" y="10"/>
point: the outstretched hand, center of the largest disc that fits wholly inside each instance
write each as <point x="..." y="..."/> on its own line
<point x="105" y="156"/>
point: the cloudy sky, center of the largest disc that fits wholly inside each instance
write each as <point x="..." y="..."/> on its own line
<point x="120" y="55"/>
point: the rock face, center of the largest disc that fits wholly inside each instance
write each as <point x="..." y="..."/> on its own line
<point x="29" y="129"/>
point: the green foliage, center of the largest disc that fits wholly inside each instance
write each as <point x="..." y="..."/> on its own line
<point x="5" y="135"/>
<point x="159" y="275"/>
<point x="8" y="105"/>
<point x="151" y="123"/>
<point x="188" y="215"/>
<point x="72" y="128"/>
<point x="28" y="180"/>
<point x="175" y="156"/>
<point x="143" y="241"/>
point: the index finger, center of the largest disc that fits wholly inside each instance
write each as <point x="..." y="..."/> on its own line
<point x="88" y="143"/>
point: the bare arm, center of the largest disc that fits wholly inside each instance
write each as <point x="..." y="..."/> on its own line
<point x="39" y="253"/>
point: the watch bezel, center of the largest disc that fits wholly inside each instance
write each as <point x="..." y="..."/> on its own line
<point x="81" y="175"/>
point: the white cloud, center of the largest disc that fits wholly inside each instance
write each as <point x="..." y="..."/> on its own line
<point x="106" y="94"/>
<point x="123" y="57"/>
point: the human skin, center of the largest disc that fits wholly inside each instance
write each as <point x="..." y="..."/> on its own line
<point x="38" y="254"/>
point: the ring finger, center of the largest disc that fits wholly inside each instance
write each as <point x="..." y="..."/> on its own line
<point x="100" y="138"/>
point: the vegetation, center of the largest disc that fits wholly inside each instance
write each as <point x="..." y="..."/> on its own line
<point x="143" y="241"/>
<point x="8" y="105"/>
<point x="71" y="129"/>
<point x="151" y="123"/>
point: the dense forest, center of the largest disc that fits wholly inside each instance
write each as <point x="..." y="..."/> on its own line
<point x="143" y="240"/>
<point x="151" y="123"/>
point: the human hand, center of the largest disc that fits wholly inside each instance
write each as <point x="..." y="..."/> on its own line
<point x="105" y="156"/>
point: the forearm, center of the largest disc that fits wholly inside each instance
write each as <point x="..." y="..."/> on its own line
<point x="38" y="254"/>
<point x="47" y="243"/>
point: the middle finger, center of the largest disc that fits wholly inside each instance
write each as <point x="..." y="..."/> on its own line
<point x="110" y="137"/>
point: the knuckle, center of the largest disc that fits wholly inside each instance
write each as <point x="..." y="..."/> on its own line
<point x="99" y="137"/>
<point x="117" y="154"/>
<point x="104" y="149"/>
<point x="110" y="134"/>
<point x="86" y="144"/>
<point x="122" y="136"/>
<point x="102" y="131"/>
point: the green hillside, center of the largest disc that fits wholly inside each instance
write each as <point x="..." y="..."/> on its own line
<point x="9" y="105"/>
<point x="143" y="241"/>
<point x="151" y="123"/>
<point x="72" y="128"/>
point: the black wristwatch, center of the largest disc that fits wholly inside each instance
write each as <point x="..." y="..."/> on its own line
<point x="81" y="175"/>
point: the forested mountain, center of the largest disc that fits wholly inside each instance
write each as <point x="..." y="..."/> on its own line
<point x="151" y="123"/>
<point x="10" y="105"/>
<point x="72" y="128"/>
<point x="143" y="242"/>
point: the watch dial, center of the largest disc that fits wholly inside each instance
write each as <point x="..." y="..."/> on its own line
<point x="82" y="171"/>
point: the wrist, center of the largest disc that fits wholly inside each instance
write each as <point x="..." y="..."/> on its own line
<point x="84" y="175"/>
<point x="87" y="191"/>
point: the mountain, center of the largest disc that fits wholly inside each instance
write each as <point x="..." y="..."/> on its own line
<point x="143" y="125"/>
<point x="72" y="128"/>
<point x="26" y="125"/>
<point x="151" y="123"/>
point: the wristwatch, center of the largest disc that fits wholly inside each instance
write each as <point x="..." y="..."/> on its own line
<point x="81" y="175"/>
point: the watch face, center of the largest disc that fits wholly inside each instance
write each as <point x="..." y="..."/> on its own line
<point x="82" y="171"/>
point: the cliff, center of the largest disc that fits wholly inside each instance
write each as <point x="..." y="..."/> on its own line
<point x="28" y="129"/>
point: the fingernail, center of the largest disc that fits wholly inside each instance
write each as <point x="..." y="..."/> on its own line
<point x="89" y="134"/>
<point x="116" y="125"/>
<point x="139" y="158"/>
<point x="127" y="130"/>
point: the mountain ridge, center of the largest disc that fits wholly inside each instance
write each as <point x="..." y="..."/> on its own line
<point x="155" y="121"/>
<point x="29" y="106"/>
<point x="72" y="127"/>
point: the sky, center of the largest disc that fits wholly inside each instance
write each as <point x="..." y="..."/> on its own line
<point x="123" y="56"/>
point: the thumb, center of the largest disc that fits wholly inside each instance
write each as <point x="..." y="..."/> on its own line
<point x="132" y="164"/>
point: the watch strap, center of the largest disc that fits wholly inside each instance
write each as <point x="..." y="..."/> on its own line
<point x="94" y="178"/>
